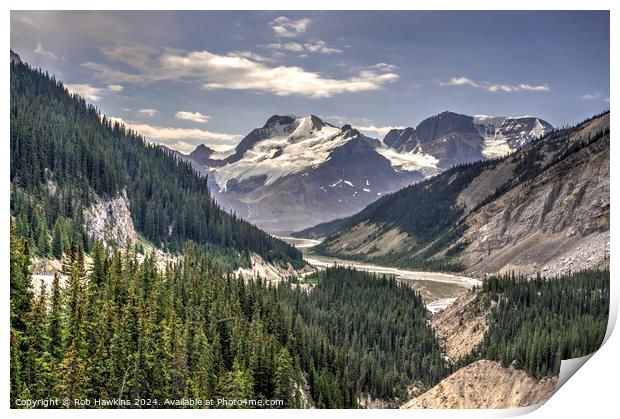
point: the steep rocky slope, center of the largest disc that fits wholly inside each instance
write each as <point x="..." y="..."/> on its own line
<point x="485" y="385"/>
<point x="544" y="208"/>
<point x="461" y="326"/>
<point x="554" y="223"/>
<point x="110" y="221"/>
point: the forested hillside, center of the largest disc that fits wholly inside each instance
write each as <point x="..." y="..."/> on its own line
<point x="535" y="323"/>
<point x="124" y="330"/>
<point x="424" y="211"/>
<point x="65" y="155"/>
<point x="382" y="325"/>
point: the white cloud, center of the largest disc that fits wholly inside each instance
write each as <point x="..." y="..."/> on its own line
<point x="148" y="112"/>
<point x="293" y="46"/>
<point x="288" y="46"/>
<point x="385" y="66"/>
<point x="114" y="76"/>
<point x="182" y="139"/>
<point x="313" y="46"/>
<point x="92" y="93"/>
<point x="365" y="125"/>
<point x="250" y="55"/>
<point x="87" y="91"/>
<point x="321" y="46"/>
<point x="591" y="96"/>
<point x="289" y="28"/>
<point x="536" y="88"/>
<point x="49" y="54"/>
<point x="115" y="88"/>
<point x="372" y="130"/>
<point x="192" y="116"/>
<point x="136" y="55"/>
<point x="237" y="72"/>
<point x="494" y="87"/>
<point x="340" y="120"/>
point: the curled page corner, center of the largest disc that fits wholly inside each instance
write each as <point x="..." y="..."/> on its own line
<point x="568" y="367"/>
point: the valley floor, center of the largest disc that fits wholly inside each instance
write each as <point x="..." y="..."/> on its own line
<point x="439" y="290"/>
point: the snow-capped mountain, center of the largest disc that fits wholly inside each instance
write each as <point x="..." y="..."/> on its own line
<point x="295" y="172"/>
<point x="503" y="135"/>
<point x="455" y="138"/>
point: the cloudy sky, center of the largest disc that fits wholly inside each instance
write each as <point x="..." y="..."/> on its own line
<point x="186" y="78"/>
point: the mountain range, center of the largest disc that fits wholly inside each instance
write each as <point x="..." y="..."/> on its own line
<point x="296" y="172"/>
<point x="544" y="208"/>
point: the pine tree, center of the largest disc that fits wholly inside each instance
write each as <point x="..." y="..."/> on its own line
<point x="284" y="378"/>
<point x="55" y="320"/>
<point x="20" y="283"/>
<point x="58" y="240"/>
<point x="98" y="274"/>
<point x="235" y="385"/>
<point x="39" y="361"/>
<point x="72" y="380"/>
<point x="16" y="381"/>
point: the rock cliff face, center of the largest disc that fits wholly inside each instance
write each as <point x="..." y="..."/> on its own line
<point x="485" y="385"/>
<point x="555" y="222"/>
<point x="110" y="221"/>
<point x="268" y="272"/>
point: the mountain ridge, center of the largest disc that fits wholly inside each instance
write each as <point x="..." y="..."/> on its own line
<point x="456" y="138"/>
<point x="558" y="185"/>
<point x="285" y="168"/>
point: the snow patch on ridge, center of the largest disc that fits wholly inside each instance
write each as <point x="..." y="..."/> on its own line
<point x="425" y="163"/>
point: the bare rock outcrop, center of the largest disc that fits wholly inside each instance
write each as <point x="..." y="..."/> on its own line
<point x="485" y="385"/>
<point x="461" y="327"/>
<point x="268" y="272"/>
<point x="110" y="221"/>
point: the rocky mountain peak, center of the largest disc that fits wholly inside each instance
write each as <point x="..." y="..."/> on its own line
<point x="202" y="150"/>
<point x="279" y="120"/>
<point x="317" y="123"/>
<point x="349" y="132"/>
<point x="443" y="124"/>
<point x="202" y="155"/>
